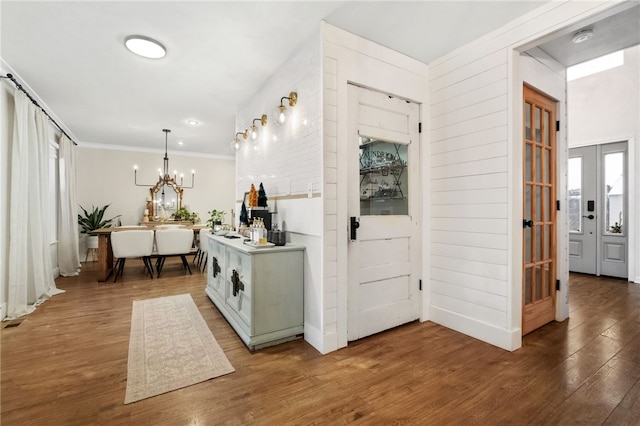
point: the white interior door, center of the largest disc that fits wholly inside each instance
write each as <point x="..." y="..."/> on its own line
<point x="384" y="211"/>
<point x="598" y="221"/>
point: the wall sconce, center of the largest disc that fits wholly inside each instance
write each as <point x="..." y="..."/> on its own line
<point x="235" y="143"/>
<point x="281" y="113"/>
<point x="255" y="130"/>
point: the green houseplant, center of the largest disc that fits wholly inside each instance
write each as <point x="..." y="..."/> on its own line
<point x="184" y="214"/>
<point x="216" y="217"/>
<point x="91" y="220"/>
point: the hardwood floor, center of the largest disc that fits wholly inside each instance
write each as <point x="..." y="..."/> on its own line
<point x="66" y="364"/>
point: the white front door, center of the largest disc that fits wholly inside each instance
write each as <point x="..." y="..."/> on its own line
<point x="598" y="221"/>
<point x="384" y="210"/>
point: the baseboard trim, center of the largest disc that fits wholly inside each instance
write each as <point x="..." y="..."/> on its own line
<point x="324" y="343"/>
<point x="509" y="340"/>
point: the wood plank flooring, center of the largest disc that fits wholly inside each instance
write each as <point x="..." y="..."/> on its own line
<point x="66" y="364"/>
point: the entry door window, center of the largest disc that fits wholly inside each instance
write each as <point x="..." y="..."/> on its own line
<point x="383" y="178"/>
<point x="614" y="193"/>
<point x="575" y="194"/>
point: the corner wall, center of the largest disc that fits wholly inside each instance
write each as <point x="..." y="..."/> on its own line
<point x="477" y="175"/>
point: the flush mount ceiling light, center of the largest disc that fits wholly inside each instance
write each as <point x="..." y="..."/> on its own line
<point x="582" y="36"/>
<point x="145" y="46"/>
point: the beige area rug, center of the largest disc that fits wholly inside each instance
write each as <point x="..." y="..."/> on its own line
<point x="170" y="347"/>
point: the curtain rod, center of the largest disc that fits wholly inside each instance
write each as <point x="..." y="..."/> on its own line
<point x="22" y="89"/>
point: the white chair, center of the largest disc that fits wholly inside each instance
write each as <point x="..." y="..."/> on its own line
<point x="132" y="243"/>
<point x="173" y="242"/>
<point x="201" y="254"/>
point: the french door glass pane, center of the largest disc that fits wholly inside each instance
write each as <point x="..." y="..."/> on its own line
<point x="614" y="192"/>
<point x="547" y="138"/>
<point x="575" y="194"/>
<point x="537" y="124"/>
<point x="527" y="163"/>
<point x="383" y="178"/>
<point x="527" y="121"/>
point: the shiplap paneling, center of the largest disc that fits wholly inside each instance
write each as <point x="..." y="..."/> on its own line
<point x="475" y="282"/>
<point x="470" y="140"/>
<point x="477" y="254"/>
<point x="470" y="309"/>
<point x="471" y="196"/>
<point x="470" y="295"/>
<point x="494" y="180"/>
<point x="471" y="168"/>
<point x="492" y="150"/>
<point x="472" y="110"/>
<point x="470" y="239"/>
<point x="493" y="226"/>
<point x="478" y="211"/>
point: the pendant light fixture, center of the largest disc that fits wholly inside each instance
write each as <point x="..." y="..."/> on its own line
<point x="165" y="179"/>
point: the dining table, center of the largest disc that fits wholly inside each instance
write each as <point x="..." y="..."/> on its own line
<point x="105" y="252"/>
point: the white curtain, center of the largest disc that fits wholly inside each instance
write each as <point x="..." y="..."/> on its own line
<point x="68" y="256"/>
<point x="30" y="271"/>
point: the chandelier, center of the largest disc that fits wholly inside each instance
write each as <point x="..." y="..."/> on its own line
<point x="165" y="179"/>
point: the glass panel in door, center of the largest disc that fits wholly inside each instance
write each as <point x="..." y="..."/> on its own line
<point x="614" y="193"/>
<point x="383" y="178"/>
<point x="574" y="189"/>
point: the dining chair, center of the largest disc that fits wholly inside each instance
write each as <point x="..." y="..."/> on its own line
<point x="200" y="259"/>
<point x="129" y="244"/>
<point x="173" y="242"/>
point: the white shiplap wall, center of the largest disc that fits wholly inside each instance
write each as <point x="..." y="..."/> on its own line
<point x="475" y="162"/>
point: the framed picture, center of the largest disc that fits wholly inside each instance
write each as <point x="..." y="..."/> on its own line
<point x="246" y="200"/>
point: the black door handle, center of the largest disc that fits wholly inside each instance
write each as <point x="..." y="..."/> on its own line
<point x="527" y="223"/>
<point x="590" y="216"/>
<point x="354" y="225"/>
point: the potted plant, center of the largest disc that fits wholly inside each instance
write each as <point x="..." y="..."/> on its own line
<point x="184" y="214"/>
<point x="216" y="217"/>
<point x="90" y="221"/>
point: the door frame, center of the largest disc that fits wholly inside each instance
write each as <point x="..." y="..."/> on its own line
<point x="633" y="201"/>
<point x="543" y="75"/>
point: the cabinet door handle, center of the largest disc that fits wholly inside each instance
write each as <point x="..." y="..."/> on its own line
<point x="237" y="284"/>
<point x="215" y="266"/>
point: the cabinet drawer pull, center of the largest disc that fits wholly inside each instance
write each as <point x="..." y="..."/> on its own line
<point x="237" y="284"/>
<point x="215" y="266"/>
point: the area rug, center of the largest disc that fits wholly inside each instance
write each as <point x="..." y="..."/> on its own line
<point x="170" y="347"/>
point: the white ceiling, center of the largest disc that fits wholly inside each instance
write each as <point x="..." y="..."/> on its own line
<point x="71" y="54"/>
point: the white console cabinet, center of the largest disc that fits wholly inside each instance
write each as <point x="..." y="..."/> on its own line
<point x="258" y="290"/>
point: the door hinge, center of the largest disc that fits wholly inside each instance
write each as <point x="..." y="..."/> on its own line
<point x="420" y="127"/>
<point x="558" y="205"/>
<point x="420" y="285"/>
<point x="558" y="285"/>
<point x="558" y="126"/>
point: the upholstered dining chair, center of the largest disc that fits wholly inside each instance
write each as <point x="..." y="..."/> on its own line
<point x="200" y="258"/>
<point x="132" y="243"/>
<point x="173" y="242"/>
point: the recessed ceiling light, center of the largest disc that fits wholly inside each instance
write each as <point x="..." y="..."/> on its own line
<point x="145" y="46"/>
<point x="192" y="122"/>
<point x="582" y="35"/>
<point x="180" y="143"/>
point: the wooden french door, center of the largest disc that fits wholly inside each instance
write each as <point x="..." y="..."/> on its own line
<point x="539" y="211"/>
